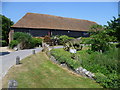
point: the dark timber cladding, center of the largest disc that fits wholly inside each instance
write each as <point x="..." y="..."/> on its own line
<point x="39" y="25"/>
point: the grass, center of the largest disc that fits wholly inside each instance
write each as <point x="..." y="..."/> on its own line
<point x="37" y="71"/>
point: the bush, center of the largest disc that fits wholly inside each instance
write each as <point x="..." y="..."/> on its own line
<point x="13" y="43"/>
<point x="23" y="38"/>
<point x="3" y="43"/>
<point x="47" y="39"/>
<point x="26" y="40"/>
<point x="65" y="57"/>
<point x="107" y="60"/>
<point x="86" y="40"/>
<point x="64" y="38"/>
<point x="73" y="44"/>
<point x="89" y="51"/>
<point x="111" y="81"/>
<point x="38" y="41"/>
<point x="104" y="65"/>
<point x="35" y="42"/>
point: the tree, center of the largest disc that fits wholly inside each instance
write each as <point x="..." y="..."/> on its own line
<point x="113" y="28"/>
<point x="6" y="23"/>
<point x="100" y="41"/>
<point x="101" y="36"/>
<point x="96" y="29"/>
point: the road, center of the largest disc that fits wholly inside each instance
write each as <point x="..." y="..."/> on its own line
<point x="8" y="59"/>
<point x="55" y="47"/>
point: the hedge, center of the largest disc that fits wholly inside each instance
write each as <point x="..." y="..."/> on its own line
<point x="65" y="57"/>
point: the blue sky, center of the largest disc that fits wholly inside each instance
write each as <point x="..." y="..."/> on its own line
<point x="99" y="12"/>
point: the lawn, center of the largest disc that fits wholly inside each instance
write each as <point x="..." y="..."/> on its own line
<point x="37" y="71"/>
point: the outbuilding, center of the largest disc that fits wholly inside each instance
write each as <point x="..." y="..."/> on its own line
<point x="39" y="25"/>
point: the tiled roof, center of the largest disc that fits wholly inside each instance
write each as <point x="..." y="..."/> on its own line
<point x="44" y="21"/>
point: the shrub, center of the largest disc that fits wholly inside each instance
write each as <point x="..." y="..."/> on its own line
<point x="105" y="65"/>
<point x="108" y="59"/>
<point x="73" y="44"/>
<point x="13" y="43"/>
<point x="35" y="42"/>
<point x="55" y="37"/>
<point x="65" y="57"/>
<point x="69" y="38"/>
<point x="26" y="40"/>
<point x="86" y="40"/>
<point x="60" y="39"/>
<point x="23" y="38"/>
<point x="110" y="81"/>
<point x="3" y="43"/>
<point x="47" y="38"/>
<point x="64" y="38"/>
<point x="89" y="51"/>
<point x="38" y="41"/>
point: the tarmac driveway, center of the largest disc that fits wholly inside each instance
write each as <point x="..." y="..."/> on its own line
<point x="8" y="59"/>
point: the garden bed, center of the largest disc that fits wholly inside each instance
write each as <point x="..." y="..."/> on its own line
<point x="104" y="65"/>
<point x="66" y="59"/>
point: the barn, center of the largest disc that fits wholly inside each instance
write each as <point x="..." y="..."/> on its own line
<point x="39" y="25"/>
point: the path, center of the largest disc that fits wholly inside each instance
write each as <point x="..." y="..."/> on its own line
<point x="8" y="60"/>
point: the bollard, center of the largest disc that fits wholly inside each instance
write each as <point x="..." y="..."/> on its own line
<point x="17" y="60"/>
<point x="12" y="84"/>
<point x="33" y="52"/>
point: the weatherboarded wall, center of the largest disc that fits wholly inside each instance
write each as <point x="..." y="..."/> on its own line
<point x="43" y="32"/>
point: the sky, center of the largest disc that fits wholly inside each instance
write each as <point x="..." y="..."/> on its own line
<point x="99" y="12"/>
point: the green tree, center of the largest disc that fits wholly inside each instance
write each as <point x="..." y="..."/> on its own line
<point x="113" y="28"/>
<point x="100" y="38"/>
<point x="96" y="29"/>
<point x="100" y="41"/>
<point x="6" y="23"/>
